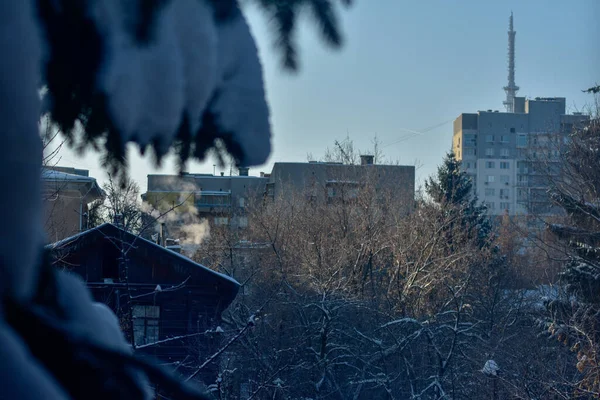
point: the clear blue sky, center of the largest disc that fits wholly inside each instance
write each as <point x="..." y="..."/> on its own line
<point x="409" y="66"/>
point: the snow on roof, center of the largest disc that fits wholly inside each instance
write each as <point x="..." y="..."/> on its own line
<point x="49" y="175"/>
<point x="71" y="240"/>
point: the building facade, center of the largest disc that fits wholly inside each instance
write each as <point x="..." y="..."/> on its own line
<point x="163" y="300"/>
<point x="511" y="156"/>
<point x="220" y="199"/>
<point x="330" y="182"/>
<point x="66" y="194"/>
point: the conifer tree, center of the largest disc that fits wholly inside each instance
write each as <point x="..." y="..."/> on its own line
<point x="452" y="189"/>
<point x="576" y="319"/>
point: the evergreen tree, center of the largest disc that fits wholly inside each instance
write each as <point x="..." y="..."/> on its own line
<point x="576" y="318"/>
<point x="451" y="188"/>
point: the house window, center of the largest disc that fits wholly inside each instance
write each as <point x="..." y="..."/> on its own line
<point x="490" y="164"/>
<point x="489" y="151"/>
<point x="504" y="206"/>
<point x="489" y="138"/>
<point x="145" y="324"/>
<point x="505" y="152"/>
<point x="504" y="193"/>
<point x="490" y="191"/>
<point x="504" y="178"/>
<point x="504" y="165"/>
<point x="490" y="178"/>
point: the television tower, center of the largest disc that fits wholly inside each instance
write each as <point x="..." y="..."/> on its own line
<point x="512" y="88"/>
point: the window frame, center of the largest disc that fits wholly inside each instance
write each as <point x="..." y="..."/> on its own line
<point x="150" y="322"/>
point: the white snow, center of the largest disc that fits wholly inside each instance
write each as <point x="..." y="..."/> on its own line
<point x="240" y="105"/>
<point x="95" y="320"/>
<point x="490" y="368"/>
<point x="401" y="321"/>
<point x="218" y="329"/>
<point x="197" y="36"/>
<point x="144" y="85"/>
<point x="21" y="147"/>
<point x="190" y="62"/>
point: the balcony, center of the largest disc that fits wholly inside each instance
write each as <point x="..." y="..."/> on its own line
<point x="210" y="200"/>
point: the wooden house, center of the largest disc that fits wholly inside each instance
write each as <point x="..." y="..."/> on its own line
<point x="169" y="306"/>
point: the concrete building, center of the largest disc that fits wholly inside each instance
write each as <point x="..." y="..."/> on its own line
<point x="508" y="154"/>
<point x="511" y="155"/>
<point x="66" y="194"/>
<point x="219" y="198"/>
<point x="333" y="181"/>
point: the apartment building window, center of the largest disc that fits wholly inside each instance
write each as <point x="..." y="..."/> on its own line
<point x="521" y="140"/>
<point x="505" y="152"/>
<point x="512" y="130"/>
<point x="489" y="138"/>
<point x="489" y="151"/>
<point x="522" y="167"/>
<point x="490" y="191"/>
<point x="490" y="164"/>
<point x="504" y="193"/>
<point x="504" y="206"/>
<point x="522" y="178"/>
<point x="242" y="221"/>
<point x="504" y="139"/>
<point x="490" y="178"/>
<point x="242" y="202"/>
<point x="145" y="324"/>
<point x="504" y="178"/>
<point x="470" y="152"/>
<point x="221" y="221"/>
<point x="470" y="140"/>
<point x="504" y="165"/>
<point x="467" y="165"/>
<point x="490" y="205"/>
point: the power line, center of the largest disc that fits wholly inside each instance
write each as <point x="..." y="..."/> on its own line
<point x="414" y="133"/>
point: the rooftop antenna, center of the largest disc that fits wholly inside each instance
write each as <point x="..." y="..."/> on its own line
<point x="512" y="88"/>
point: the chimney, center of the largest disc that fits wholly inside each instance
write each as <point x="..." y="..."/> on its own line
<point x="243" y="171"/>
<point x="162" y="235"/>
<point x="366" y="159"/>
